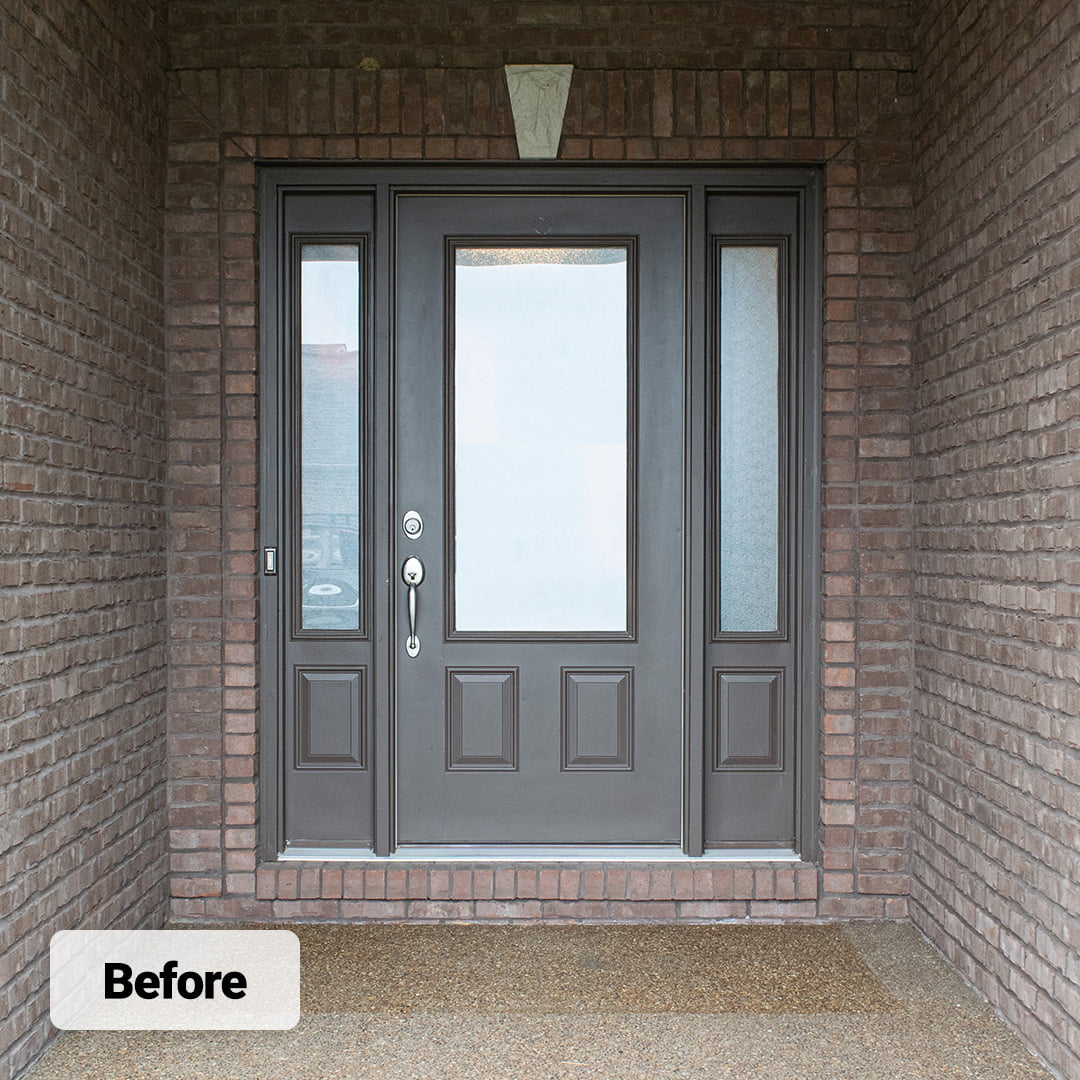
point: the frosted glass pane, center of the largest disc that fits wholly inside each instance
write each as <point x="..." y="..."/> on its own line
<point x="330" y="436"/>
<point x="749" y="439"/>
<point x="540" y="422"/>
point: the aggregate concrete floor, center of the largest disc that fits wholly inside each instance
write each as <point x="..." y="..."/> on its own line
<point x="722" y="1002"/>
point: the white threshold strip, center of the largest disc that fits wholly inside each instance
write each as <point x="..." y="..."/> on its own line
<point x="471" y="853"/>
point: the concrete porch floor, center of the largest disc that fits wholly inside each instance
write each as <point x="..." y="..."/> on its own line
<point x="724" y="1002"/>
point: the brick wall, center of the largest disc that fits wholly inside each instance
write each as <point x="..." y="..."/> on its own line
<point x="712" y="81"/>
<point x="997" y="578"/>
<point x="766" y="35"/>
<point x="82" y="769"/>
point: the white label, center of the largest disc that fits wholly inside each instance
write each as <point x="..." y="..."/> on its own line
<point x="174" y="980"/>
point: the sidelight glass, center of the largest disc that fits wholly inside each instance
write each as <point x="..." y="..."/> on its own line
<point x="540" y="450"/>
<point x="749" y="439"/>
<point x="330" y="426"/>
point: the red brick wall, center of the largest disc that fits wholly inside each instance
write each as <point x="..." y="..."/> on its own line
<point x="830" y="86"/>
<point x="82" y="730"/>
<point x="997" y="579"/>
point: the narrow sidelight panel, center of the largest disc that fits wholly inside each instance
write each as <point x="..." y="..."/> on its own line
<point x="763" y="402"/>
<point x="330" y="437"/>
<point x="317" y="665"/>
<point x="540" y="446"/>
<point x="749" y="439"/>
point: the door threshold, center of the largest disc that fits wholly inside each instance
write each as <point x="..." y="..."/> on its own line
<point x="473" y="853"/>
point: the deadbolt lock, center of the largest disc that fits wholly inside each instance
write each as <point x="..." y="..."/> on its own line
<point x="412" y="525"/>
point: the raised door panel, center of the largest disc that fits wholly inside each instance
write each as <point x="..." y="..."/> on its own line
<point x="598" y="719"/>
<point x="481" y="719"/>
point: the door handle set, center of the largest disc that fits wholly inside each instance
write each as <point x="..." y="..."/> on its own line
<point x="412" y="573"/>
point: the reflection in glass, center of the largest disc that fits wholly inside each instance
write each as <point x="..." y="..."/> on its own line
<point x="330" y="436"/>
<point x="540" y="439"/>
<point x="749" y="439"/>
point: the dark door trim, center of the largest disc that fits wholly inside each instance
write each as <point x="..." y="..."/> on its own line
<point x="286" y="186"/>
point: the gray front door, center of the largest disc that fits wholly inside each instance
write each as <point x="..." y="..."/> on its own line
<point x="538" y="478"/>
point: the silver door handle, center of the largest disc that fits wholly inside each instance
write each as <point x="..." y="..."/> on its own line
<point x="412" y="573"/>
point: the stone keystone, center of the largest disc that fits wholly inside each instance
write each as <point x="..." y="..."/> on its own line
<point x="538" y="95"/>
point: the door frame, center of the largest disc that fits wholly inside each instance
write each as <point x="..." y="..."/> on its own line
<point x="382" y="182"/>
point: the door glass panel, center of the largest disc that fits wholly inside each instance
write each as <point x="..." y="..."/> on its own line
<point x="330" y="422"/>
<point x="540" y="439"/>
<point x="749" y="439"/>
